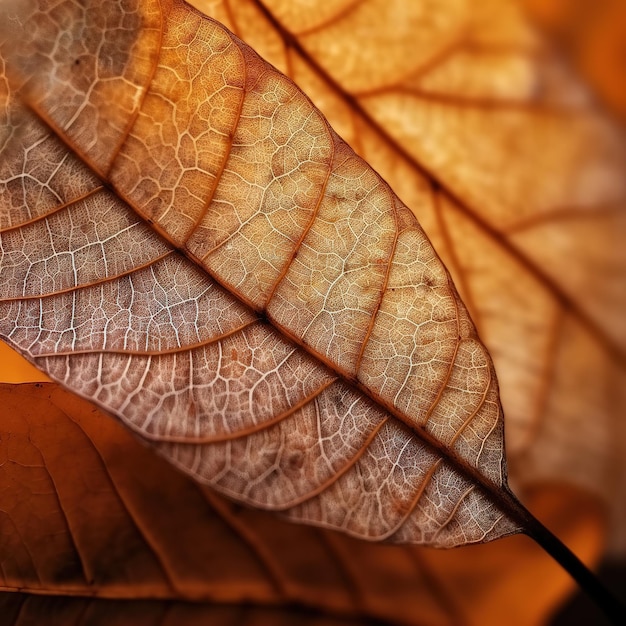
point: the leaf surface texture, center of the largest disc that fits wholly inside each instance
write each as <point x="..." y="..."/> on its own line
<point x="188" y="243"/>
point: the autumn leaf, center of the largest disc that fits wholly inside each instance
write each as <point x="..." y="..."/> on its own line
<point x="279" y="296"/>
<point x="113" y="534"/>
<point x="517" y="180"/>
<point x="281" y="327"/>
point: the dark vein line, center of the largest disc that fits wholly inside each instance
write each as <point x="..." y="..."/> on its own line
<point x="231" y="139"/>
<point x="343" y="561"/>
<point x="235" y="28"/>
<point x="338" y="473"/>
<point x="477" y="102"/>
<point x="383" y="287"/>
<point x="289" y="67"/>
<point x="561" y="215"/>
<point x="457" y="344"/>
<point x="86" y="605"/>
<point x="53" y="211"/>
<point x="414" y="501"/>
<point x="463" y="44"/>
<point x="23" y="543"/>
<point x="88" y="575"/>
<point x="475" y="412"/>
<point x="454" y="511"/>
<point x="148" y="541"/>
<point x="455" y="261"/>
<point x="307" y="228"/>
<point x="355" y="140"/>
<point x="20" y="613"/>
<point x="159" y="353"/>
<point x="93" y="283"/>
<point x="143" y="94"/>
<point x="329" y="21"/>
<point x="545" y="384"/>
<point x="256" y="544"/>
<point x="237" y="434"/>
<point x="440" y="56"/>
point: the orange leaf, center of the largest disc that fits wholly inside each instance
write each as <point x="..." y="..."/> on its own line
<point x="112" y="534"/>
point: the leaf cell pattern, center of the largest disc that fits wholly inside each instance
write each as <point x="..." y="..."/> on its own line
<point x="187" y="242"/>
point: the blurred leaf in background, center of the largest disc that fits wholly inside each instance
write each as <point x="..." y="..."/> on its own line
<point x="593" y="34"/>
<point x="113" y="532"/>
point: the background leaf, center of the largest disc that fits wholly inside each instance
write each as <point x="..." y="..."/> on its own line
<point x="113" y="534"/>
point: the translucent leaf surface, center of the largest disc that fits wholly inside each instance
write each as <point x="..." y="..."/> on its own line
<point x="187" y="242"/>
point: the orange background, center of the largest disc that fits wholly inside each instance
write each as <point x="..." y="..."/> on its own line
<point x="593" y="35"/>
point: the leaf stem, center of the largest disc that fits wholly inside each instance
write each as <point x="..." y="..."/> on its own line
<point x="610" y="605"/>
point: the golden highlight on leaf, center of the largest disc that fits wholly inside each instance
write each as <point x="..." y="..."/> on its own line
<point x="112" y="534"/>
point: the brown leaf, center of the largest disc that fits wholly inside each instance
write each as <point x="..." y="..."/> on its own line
<point x="518" y="182"/>
<point x="111" y="534"/>
<point x="280" y="327"/>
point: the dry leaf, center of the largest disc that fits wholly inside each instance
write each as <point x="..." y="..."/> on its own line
<point x="280" y="327"/>
<point x="82" y="606"/>
<point x="517" y="180"/>
<point x="111" y="534"/>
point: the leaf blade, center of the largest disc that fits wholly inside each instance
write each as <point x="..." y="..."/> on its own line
<point x="157" y="341"/>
